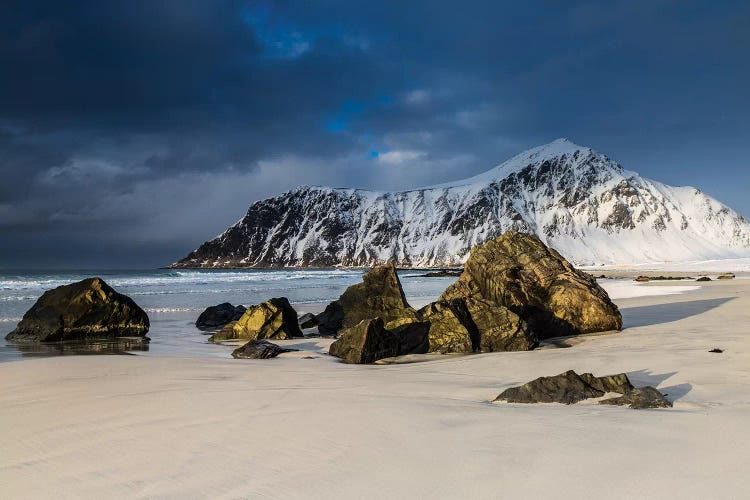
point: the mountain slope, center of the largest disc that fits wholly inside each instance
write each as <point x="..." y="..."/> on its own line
<point x="576" y="200"/>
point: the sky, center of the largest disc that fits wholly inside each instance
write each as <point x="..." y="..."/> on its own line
<point x="131" y="132"/>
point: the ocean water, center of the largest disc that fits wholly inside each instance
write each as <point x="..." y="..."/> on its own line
<point x="173" y="300"/>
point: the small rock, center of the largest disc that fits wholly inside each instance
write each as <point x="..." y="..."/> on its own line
<point x="642" y="279"/>
<point x="717" y="350"/>
<point x="307" y="320"/>
<point x="218" y="316"/>
<point x="640" y="398"/>
<point x="726" y="277"/>
<point x="259" y="349"/>
<point x="443" y="273"/>
<point x="703" y="278"/>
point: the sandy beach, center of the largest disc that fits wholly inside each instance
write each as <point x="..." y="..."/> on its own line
<point x="306" y="426"/>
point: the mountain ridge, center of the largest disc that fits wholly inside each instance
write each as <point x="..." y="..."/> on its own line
<point x="577" y="200"/>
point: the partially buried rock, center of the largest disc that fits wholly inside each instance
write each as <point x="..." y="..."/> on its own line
<point x="519" y="272"/>
<point x="378" y="296"/>
<point x="566" y="388"/>
<point x="726" y="277"/>
<point x="642" y="279"/>
<point x="218" y="316"/>
<point x="273" y="319"/>
<point x="307" y="320"/>
<point x="259" y="349"/>
<point x="640" y="398"/>
<point x="88" y="309"/>
<point x="703" y="278"/>
<point x="366" y="342"/>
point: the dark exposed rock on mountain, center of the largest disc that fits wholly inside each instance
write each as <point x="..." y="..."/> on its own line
<point x="307" y="320"/>
<point x="576" y="200"/>
<point x="519" y="272"/>
<point x="88" y="309"/>
<point x="365" y="342"/>
<point x="567" y="388"/>
<point x="609" y="383"/>
<point x="378" y="296"/>
<point x="640" y="398"/>
<point x="273" y="319"/>
<point x="217" y="316"/>
<point x="259" y="349"/>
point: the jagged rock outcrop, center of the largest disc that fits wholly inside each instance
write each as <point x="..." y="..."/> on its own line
<point x="640" y="398"/>
<point x="217" y="316"/>
<point x="369" y="341"/>
<point x="519" y="272"/>
<point x="475" y="325"/>
<point x="259" y="349"/>
<point x="273" y="319"/>
<point x="379" y="295"/>
<point x="578" y="201"/>
<point x="567" y="388"/>
<point x="88" y="309"/>
<point x="365" y="342"/>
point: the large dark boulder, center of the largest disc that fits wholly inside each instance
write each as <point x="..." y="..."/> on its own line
<point x="366" y="342"/>
<point x="88" y="309"/>
<point x="273" y="319"/>
<point x="475" y="325"/>
<point x="218" y="316"/>
<point x="519" y="272"/>
<point x="378" y="296"/>
<point x="640" y="398"/>
<point x="259" y="349"/>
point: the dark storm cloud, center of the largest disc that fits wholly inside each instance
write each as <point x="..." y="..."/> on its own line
<point x="132" y="131"/>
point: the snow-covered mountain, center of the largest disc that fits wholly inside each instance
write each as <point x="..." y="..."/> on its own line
<point x="575" y="199"/>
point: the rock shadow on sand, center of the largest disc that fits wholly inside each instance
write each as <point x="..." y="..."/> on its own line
<point x="646" y="377"/>
<point x="666" y="313"/>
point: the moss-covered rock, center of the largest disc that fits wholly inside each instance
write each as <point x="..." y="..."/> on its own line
<point x="519" y="272"/>
<point x="365" y="342"/>
<point x="448" y="333"/>
<point x="378" y="296"/>
<point x="88" y="309"/>
<point x="273" y="319"/>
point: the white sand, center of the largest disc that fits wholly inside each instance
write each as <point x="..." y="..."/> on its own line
<point x="146" y="427"/>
